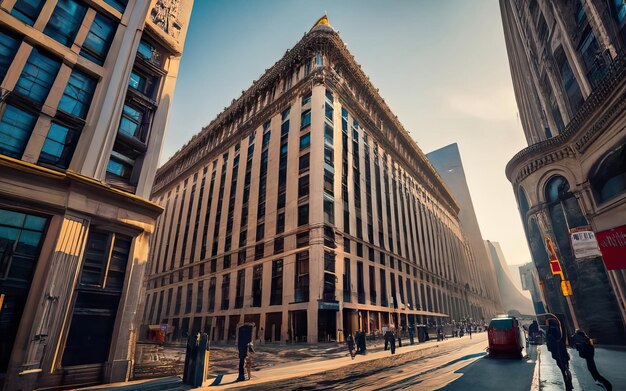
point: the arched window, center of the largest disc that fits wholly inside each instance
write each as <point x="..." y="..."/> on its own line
<point x="608" y="179"/>
<point x="563" y="204"/>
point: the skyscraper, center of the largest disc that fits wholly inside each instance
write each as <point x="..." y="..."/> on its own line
<point x="568" y="65"/>
<point x="85" y="92"/>
<point x="306" y="208"/>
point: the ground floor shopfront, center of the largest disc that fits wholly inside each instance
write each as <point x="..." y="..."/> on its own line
<point x="72" y="255"/>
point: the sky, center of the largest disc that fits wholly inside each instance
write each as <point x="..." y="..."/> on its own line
<point x="440" y="65"/>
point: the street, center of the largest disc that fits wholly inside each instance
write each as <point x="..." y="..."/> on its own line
<point x="454" y="365"/>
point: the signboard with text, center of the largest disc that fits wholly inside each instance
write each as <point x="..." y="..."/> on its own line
<point x="612" y="244"/>
<point x="584" y="243"/>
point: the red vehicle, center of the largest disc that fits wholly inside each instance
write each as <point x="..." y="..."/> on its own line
<point x="506" y="338"/>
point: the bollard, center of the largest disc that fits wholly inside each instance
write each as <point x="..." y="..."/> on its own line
<point x="196" y="360"/>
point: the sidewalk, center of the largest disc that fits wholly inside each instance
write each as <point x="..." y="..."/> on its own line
<point x="609" y="360"/>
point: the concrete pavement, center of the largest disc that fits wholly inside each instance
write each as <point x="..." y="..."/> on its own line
<point x="611" y="363"/>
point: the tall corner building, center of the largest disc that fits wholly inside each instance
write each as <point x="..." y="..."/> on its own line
<point x="568" y="67"/>
<point x="306" y="208"/>
<point x="85" y="92"/>
<point x="447" y="161"/>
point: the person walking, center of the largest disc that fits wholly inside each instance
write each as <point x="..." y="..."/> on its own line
<point x="586" y="350"/>
<point x="469" y="331"/>
<point x="390" y="340"/>
<point x="350" y="343"/>
<point x="556" y="345"/>
<point x="248" y="360"/>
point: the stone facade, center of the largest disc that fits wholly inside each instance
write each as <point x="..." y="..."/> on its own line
<point x="86" y="93"/>
<point x="306" y="208"/>
<point x="568" y="67"/>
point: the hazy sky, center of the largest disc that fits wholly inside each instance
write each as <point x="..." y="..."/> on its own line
<point x="441" y="66"/>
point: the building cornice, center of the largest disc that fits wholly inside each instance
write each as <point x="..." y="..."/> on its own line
<point x="606" y="102"/>
<point x="70" y="177"/>
<point x="318" y="39"/>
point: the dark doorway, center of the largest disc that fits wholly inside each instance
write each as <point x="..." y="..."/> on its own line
<point x="273" y="322"/>
<point x="298" y="326"/>
<point x="326" y="325"/>
<point x="233" y="321"/>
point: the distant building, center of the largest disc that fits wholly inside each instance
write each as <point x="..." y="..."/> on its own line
<point x="512" y="298"/>
<point x="447" y="162"/>
<point x="568" y="65"/>
<point x="85" y="93"/>
<point x="530" y="282"/>
<point x="306" y="208"/>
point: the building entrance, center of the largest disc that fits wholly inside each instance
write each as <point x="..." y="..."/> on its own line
<point x="298" y="326"/>
<point x="326" y="325"/>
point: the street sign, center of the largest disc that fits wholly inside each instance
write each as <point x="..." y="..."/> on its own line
<point x="566" y="288"/>
<point x="613" y="246"/>
<point x="584" y="243"/>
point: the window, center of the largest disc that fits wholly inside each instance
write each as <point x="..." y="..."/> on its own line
<point x="305" y="119"/>
<point x="590" y="53"/>
<point x="302" y="277"/>
<point x="280" y="223"/>
<point x="257" y="285"/>
<point x="99" y="38"/>
<point x="608" y="179"/>
<point x="276" y="294"/>
<point x="97" y="298"/>
<point x="37" y="76"/>
<point x="329" y="210"/>
<point x="77" y="95"/>
<point x="346" y="281"/>
<point x="8" y="48"/>
<point x="328" y="111"/>
<point x="188" y="299"/>
<point x="120" y="166"/>
<point x="302" y="239"/>
<point x="305" y="141"/>
<point x="225" y="291"/>
<point x="360" y="285"/>
<point x="241" y="287"/>
<point x="27" y="10"/>
<point x="319" y="60"/>
<point x="15" y="129"/>
<point x="211" y="298"/>
<point x="58" y="148"/>
<point x="142" y="83"/>
<point x="65" y="21"/>
<point x="303" y="164"/>
<point x="131" y="122"/>
<point x="303" y="215"/>
<point x="303" y="186"/>
<point x="306" y="99"/>
<point x="569" y="83"/>
<point x="279" y="245"/>
<point x="119" y="5"/>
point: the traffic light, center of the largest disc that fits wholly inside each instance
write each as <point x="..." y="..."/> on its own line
<point x="566" y="288"/>
<point x="555" y="265"/>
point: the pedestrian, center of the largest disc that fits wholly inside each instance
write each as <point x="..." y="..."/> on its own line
<point x="390" y="340"/>
<point x="586" y="350"/>
<point x="361" y="342"/>
<point x="461" y="332"/>
<point x="400" y="337"/>
<point x="556" y="346"/>
<point x="249" y="357"/>
<point x="350" y="343"/>
<point x="469" y="331"/>
<point x="412" y="334"/>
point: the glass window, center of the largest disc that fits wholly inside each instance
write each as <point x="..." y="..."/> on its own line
<point x="303" y="186"/>
<point x="148" y="52"/>
<point x="303" y="164"/>
<point x="119" y="5"/>
<point x="77" y="95"/>
<point x="131" y="122"/>
<point x="120" y="166"/>
<point x="142" y="83"/>
<point x="15" y="129"/>
<point x="303" y="214"/>
<point x="59" y="146"/>
<point x="98" y="41"/>
<point x="329" y="211"/>
<point x="37" y="76"/>
<point x="305" y="141"/>
<point x="8" y="48"/>
<point x="306" y="99"/>
<point x="608" y="179"/>
<point x="27" y="10"/>
<point x="65" y="21"/>
<point x="305" y="119"/>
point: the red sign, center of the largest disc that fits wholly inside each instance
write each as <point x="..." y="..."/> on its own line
<point x="556" y="267"/>
<point x="612" y="243"/>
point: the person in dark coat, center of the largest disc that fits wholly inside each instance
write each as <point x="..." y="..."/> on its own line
<point x="586" y="350"/>
<point x="556" y="345"/>
<point x="350" y="343"/>
<point x="412" y="334"/>
<point x="390" y="340"/>
<point x="400" y="337"/>
<point x="361" y="342"/>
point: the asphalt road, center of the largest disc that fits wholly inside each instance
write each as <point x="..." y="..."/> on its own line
<point x="460" y="365"/>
